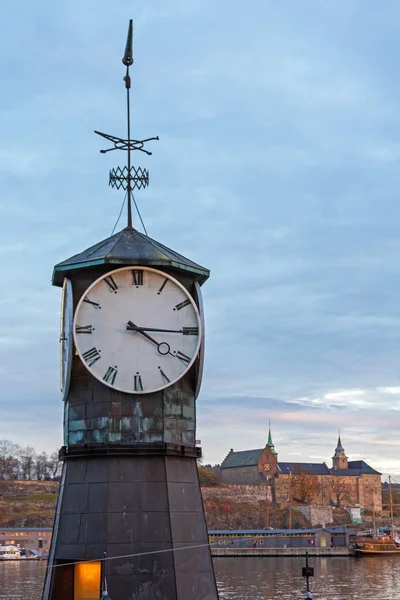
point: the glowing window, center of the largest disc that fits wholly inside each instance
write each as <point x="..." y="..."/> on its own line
<point x="87" y="581"/>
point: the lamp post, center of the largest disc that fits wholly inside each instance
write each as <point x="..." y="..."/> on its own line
<point x="308" y="572"/>
<point x="104" y="593"/>
<point x="266" y="504"/>
<point x="290" y="499"/>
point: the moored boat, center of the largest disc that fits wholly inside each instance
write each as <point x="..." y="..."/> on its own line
<point x="375" y="546"/>
<point x="9" y="553"/>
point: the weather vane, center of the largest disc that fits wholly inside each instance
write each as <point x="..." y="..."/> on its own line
<point x="129" y="177"/>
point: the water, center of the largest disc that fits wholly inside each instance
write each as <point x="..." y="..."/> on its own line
<point x="263" y="578"/>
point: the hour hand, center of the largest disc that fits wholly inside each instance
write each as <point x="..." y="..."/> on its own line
<point x="162" y="347"/>
<point x="132" y="327"/>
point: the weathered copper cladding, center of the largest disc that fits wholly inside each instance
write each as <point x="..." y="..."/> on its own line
<point x="130" y="484"/>
<point x="122" y="249"/>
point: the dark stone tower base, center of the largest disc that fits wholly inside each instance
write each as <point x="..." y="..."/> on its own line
<point x="112" y="504"/>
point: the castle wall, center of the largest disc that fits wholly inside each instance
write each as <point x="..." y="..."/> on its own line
<point x="238" y="494"/>
<point x="364" y="490"/>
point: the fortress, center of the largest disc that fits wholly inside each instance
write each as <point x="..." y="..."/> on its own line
<point x="346" y="483"/>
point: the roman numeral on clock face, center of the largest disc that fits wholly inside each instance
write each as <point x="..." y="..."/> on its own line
<point x="183" y="358"/>
<point x="163" y="286"/>
<point x="164" y="377"/>
<point x="137" y="383"/>
<point x="190" y="330"/>
<point x="83" y="329"/>
<point x="111" y="284"/>
<point x="110" y="375"/>
<point x="91" y="356"/>
<point x="95" y="304"/>
<point x="182" y="304"/>
<point x="137" y="277"/>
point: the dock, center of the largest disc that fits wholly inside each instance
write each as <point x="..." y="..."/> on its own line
<point x="342" y="551"/>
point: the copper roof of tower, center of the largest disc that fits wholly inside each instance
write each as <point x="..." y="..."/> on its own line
<point x="128" y="247"/>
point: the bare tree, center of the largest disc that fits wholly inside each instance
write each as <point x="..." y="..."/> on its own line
<point x="41" y="466"/>
<point x="8" y="460"/>
<point x="27" y="462"/>
<point x="339" y="489"/>
<point x="305" y="487"/>
<point x="54" y="465"/>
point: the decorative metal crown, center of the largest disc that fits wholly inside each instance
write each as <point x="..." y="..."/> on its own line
<point x="120" y="178"/>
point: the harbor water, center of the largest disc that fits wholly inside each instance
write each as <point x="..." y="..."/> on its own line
<point x="256" y="578"/>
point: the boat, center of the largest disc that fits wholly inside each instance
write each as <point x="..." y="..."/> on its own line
<point x="377" y="545"/>
<point x="18" y="553"/>
<point x="9" y="553"/>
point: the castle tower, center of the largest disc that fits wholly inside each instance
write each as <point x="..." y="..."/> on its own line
<point x="132" y="343"/>
<point x="268" y="460"/>
<point x="339" y="460"/>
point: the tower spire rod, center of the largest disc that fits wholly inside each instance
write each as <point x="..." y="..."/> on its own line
<point x="128" y="178"/>
<point x="128" y="61"/>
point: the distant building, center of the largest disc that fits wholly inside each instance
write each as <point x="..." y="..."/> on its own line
<point x="347" y="483"/>
<point x="34" y="538"/>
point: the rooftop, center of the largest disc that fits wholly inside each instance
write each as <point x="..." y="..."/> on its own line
<point x="295" y="468"/>
<point x="244" y="458"/>
<point x="128" y="247"/>
<point x="356" y="468"/>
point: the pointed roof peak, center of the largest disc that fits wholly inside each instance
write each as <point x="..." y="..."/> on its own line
<point x="270" y="443"/>
<point x="339" y="442"/>
<point x="128" y="247"/>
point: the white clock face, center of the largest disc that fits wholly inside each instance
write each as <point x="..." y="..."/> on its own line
<point x="66" y="337"/>
<point x="137" y="330"/>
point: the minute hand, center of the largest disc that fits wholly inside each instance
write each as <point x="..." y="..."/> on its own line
<point x="135" y="328"/>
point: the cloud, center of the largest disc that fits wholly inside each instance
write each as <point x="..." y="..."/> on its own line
<point x="276" y="168"/>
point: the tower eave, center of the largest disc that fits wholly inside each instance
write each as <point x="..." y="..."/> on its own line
<point x="125" y="248"/>
<point x="61" y="271"/>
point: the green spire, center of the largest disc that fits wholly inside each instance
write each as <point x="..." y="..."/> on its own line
<point x="270" y="436"/>
<point x="270" y="443"/>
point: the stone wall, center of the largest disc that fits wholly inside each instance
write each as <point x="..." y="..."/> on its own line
<point x="317" y="514"/>
<point x="236" y="493"/>
<point x="365" y="490"/>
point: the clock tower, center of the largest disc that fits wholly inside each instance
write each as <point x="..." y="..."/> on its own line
<point x="130" y="519"/>
<point x="339" y="460"/>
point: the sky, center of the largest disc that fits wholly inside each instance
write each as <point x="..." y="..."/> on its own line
<point x="277" y="168"/>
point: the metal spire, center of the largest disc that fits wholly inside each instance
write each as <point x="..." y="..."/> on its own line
<point x="129" y="177"/>
<point x="269" y="435"/>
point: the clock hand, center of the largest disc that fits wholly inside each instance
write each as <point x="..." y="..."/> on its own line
<point x="162" y="347"/>
<point x="140" y="329"/>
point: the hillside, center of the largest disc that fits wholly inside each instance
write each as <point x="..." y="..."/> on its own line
<point x="27" y="503"/>
<point x="33" y="503"/>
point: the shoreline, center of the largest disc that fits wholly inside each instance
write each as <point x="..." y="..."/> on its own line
<point x="240" y="552"/>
